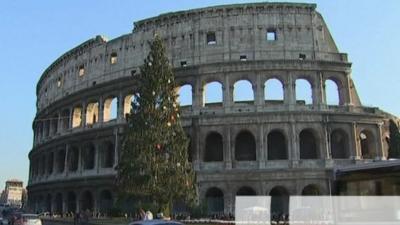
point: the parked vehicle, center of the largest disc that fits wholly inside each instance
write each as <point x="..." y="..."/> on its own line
<point x="28" y="219"/>
<point x="156" y="222"/>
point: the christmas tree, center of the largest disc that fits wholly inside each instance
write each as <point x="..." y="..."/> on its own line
<point x="394" y="141"/>
<point x="154" y="158"/>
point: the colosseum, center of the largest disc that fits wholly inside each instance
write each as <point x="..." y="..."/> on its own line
<point x="277" y="146"/>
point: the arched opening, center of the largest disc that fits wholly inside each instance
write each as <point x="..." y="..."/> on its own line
<point x="106" y="202"/>
<point x="214" y="149"/>
<point x="60" y="161"/>
<point x="245" y="146"/>
<point x="92" y="113"/>
<point x="339" y="144"/>
<point x="332" y="93"/>
<point x="303" y="92"/>
<point x="276" y="146"/>
<point x="185" y="95"/>
<point x="71" y="202"/>
<point x="48" y="203"/>
<point x="58" y="204"/>
<point x="308" y="145"/>
<point x="107" y="155"/>
<point x="279" y="203"/>
<point x="65" y="119"/>
<point x="311" y="190"/>
<point x="273" y="90"/>
<point x="246" y="191"/>
<point x="367" y="143"/>
<point x="128" y="104"/>
<point x="243" y="91"/>
<point x="73" y="159"/>
<point x="215" y="200"/>
<point x="47" y="127"/>
<point x="110" y="109"/>
<point x="86" y="201"/>
<point x="212" y="93"/>
<point x="88" y="155"/>
<point x="50" y="163"/>
<point x="77" y="117"/>
<point x="54" y="124"/>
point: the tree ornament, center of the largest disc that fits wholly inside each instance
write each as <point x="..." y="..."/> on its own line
<point x="169" y="124"/>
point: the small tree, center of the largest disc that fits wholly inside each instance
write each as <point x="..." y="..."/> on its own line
<point x="394" y="141"/>
<point x="154" y="158"/>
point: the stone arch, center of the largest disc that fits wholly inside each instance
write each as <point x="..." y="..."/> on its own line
<point x="304" y="93"/>
<point x="273" y="90"/>
<point x="77" y="117"/>
<point x="71" y="202"/>
<point x="50" y="162"/>
<point x="110" y="109"/>
<point x="308" y="144"/>
<point x="73" y="159"/>
<point x="88" y="156"/>
<point x="86" y="201"/>
<point x="60" y="160"/>
<point x="332" y="92"/>
<point x="92" y="113"/>
<point x="279" y="202"/>
<point x="215" y="200"/>
<point x="48" y="203"/>
<point x="214" y="147"/>
<point x="311" y="190"/>
<point x="128" y="104"/>
<point x="212" y="93"/>
<point x="245" y="146"/>
<point x="367" y="144"/>
<point x="107" y="154"/>
<point x="185" y="95"/>
<point x="246" y="191"/>
<point x="276" y="144"/>
<point x="58" y="204"/>
<point x="243" y="91"/>
<point x="105" y="201"/>
<point x="339" y="144"/>
<point x="65" y="119"/>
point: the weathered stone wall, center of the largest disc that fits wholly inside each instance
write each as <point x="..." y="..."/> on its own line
<point x="261" y="144"/>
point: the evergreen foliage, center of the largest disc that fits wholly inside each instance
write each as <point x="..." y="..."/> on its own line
<point x="394" y="141"/>
<point x="154" y="159"/>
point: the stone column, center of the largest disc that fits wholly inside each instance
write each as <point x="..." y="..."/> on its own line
<point x="80" y="160"/>
<point x="356" y="154"/>
<point x="197" y="102"/>
<point x="227" y="148"/>
<point x="120" y="109"/>
<point x="317" y="90"/>
<point x="101" y="109"/>
<point x="66" y="160"/>
<point x="346" y="93"/>
<point x="289" y="87"/>
<point x="227" y="97"/>
<point x="294" y="154"/>
<point x="83" y="114"/>
<point x="261" y="152"/>
<point x="379" y="154"/>
<point x="116" y="146"/>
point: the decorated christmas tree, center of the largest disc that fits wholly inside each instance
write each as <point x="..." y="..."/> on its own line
<point x="154" y="157"/>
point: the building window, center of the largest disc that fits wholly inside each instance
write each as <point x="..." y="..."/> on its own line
<point x="211" y="38"/>
<point x="302" y="56"/>
<point x="271" y="35"/>
<point x="81" y="70"/>
<point x="183" y="63"/>
<point x="243" y="58"/>
<point x="113" y="59"/>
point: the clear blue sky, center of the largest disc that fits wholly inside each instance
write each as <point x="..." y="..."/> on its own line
<point x="34" y="33"/>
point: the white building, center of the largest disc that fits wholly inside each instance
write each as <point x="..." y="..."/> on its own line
<point x="13" y="193"/>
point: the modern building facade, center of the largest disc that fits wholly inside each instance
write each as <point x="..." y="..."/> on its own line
<point x="257" y="146"/>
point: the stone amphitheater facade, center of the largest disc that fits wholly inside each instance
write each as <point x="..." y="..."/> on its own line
<point x="257" y="147"/>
